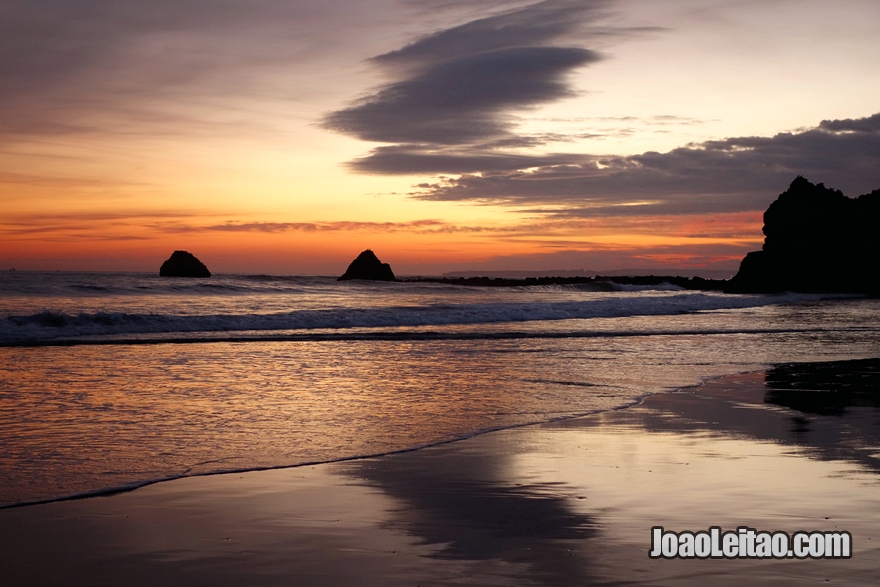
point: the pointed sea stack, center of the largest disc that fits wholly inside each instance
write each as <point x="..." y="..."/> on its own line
<point x="817" y="241"/>
<point x="183" y="264"/>
<point x="368" y="266"/>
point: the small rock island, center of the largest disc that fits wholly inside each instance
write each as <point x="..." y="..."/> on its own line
<point x="368" y="266"/>
<point x="183" y="264"/>
<point x="817" y="241"/>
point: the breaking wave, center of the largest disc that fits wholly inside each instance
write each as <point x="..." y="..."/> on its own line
<point x="50" y="325"/>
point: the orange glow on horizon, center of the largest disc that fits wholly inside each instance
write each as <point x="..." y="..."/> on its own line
<point x="142" y="242"/>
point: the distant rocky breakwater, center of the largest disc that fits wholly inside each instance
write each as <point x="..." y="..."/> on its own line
<point x="695" y="283"/>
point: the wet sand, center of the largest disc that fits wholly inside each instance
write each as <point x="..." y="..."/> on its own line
<point x="566" y="503"/>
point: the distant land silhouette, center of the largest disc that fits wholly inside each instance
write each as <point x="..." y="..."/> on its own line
<point x="368" y="266"/>
<point x="817" y="240"/>
<point x="183" y="264"/>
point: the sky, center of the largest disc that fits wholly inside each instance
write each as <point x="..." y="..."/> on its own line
<point x="286" y="136"/>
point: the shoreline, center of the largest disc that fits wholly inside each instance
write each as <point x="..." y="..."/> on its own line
<point x="110" y="491"/>
<point x="135" y="485"/>
<point x="564" y="502"/>
<point x="638" y="401"/>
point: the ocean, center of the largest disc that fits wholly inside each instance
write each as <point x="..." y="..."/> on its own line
<point x="111" y="381"/>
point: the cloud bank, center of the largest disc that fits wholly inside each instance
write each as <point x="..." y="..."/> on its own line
<point x="734" y="174"/>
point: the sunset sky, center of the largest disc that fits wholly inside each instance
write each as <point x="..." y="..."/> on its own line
<point x="285" y="136"/>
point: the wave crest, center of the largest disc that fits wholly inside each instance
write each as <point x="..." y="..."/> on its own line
<point x="48" y="324"/>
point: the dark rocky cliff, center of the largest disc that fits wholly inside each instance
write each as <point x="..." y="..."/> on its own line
<point x="817" y="240"/>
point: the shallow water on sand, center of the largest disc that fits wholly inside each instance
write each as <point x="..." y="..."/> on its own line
<point x="444" y="363"/>
<point x="567" y="503"/>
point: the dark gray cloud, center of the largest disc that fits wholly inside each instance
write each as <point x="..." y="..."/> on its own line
<point x="459" y="87"/>
<point x="869" y="124"/>
<point x="734" y="174"/>
<point x="408" y="159"/>
<point x="532" y="26"/>
<point x="464" y="99"/>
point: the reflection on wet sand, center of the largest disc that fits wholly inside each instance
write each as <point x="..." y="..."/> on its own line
<point x="466" y="502"/>
<point x="837" y="405"/>
<point x="829" y="411"/>
<point x="830" y="388"/>
<point x="567" y="503"/>
<point x="574" y="500"/>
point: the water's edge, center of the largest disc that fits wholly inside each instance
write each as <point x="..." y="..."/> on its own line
<point x="128" y="487"/>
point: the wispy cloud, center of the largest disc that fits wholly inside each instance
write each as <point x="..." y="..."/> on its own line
<point x="92" y="225"/>
<point x="429" y="226"/>
<point x="128" y="225"/>
<point x="162" y="67"/>
<point x="554" y="228"/>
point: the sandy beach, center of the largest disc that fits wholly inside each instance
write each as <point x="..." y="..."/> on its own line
<point x="565" y="503"/>
<point x="420" y="293"/>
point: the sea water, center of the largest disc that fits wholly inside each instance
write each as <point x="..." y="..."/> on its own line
<point x="114" y="380"/>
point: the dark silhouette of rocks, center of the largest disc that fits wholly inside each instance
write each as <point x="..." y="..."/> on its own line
<point x="817" y="240"/>
<point x="368" y="266"/>
<point x="825" y="388"/>
<point x="183" y="264"/>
